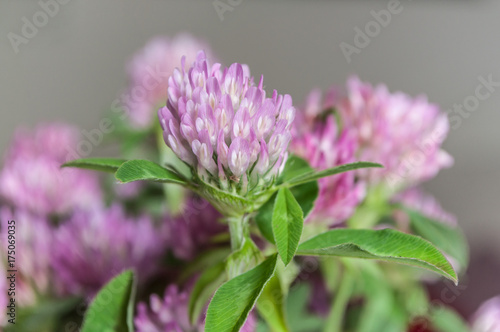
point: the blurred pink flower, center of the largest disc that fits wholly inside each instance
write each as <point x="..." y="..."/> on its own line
<point x="219" y="122"/>
<point x="32" y="254"/>
<point x="316" y="105"/>
<point x="415" y="198"/>
<point x="128" y="190"/>
<point x="149" y="70"/>
<point x="402" y="133"/>
<point x="32" y="179"/>
<point x="170" y="313"/>
<point x="93" y="246"/>
<point x="324" y="145"/>
<point x="192" y="230"/>
<point x="487" y="317"/>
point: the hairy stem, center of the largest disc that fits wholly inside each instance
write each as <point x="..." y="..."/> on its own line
<point x="334" y="321"/>
<point x="237" y="230"/>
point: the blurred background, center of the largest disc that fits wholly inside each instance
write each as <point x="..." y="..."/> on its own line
<point x="72" y="69"/>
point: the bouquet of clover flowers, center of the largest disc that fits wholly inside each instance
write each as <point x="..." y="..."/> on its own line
<point x="289" y="184"/>
<point x="244" y="213"/>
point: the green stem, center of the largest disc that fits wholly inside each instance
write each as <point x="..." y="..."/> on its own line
<point x="237" y="231"/>
<point x="334" y="321"/>
<point x="372" y="210"/>
<point x="245" y="254"/>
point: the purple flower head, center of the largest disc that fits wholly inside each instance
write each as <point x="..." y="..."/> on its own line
<point x="192" y="230"/>
<point x="414" y="198"/>
<point x="324" y="146"/>
<point x="223" y="125"/>
<point x="316" y="105"/>
<point x="149" y="71"/>
<point x="32" y="179"/>
<point x="487" y="317"/>
<point x="402" y="133"/>
<point x="170" y="313"/>
<point x="33" y="237"/>
<point x="93" y="246"/>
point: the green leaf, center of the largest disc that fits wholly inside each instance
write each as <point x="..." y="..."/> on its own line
<point x="335" y="319"/>
<point x="380" y="311"/>
<point x="97" y="164"/>
<point x="315" y="175"/>
<point x="46" y="316"/>
<point x="287" y="223"/>
<point x="234" y="300"/>
<point x="449" y="239"/>
<point x="294" y="167"/>
<point x="271" y="305"/>
<point x="299" y="316"/>
<point x="112" y="308"/>
<point x="205" y="286"/>
<point x="446" y="320"/>
<point x="203" y="261"/>
<point x="305" y="194"/>
<point x="264" y="219"/>
<point x="388" y="245"/>
<point x="135" y="170"/>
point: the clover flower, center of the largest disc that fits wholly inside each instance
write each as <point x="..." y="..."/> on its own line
<point x="426" y="204"/>
<point x="32" y="179"/>
<point x="170" y="313"/>
<point x="487" y="317"/>
<point x="93" y="246"/>
<point x="32" y="255"/>
<point x="222" y="125"/>
<point x="149" y="70"/>
<point x="403" y="134"/>
<point x="192" y="230"/>
<point x="324" y="145"/>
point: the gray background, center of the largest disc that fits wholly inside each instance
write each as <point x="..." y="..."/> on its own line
<point x="72" y="70"/>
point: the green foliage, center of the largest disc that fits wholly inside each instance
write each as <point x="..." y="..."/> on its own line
<point x="47" y="316"/>
<point x="299" y="318"/>
<point x="112" y="308"/>
<point x="448" y="238"/>
<point x="97" y="164"/>
<point x="234" y="300"/>
<point x="287" y="222"/>
<point x="271" y="305"/>
<point x="294" y="167"/>
<point x="315" y="175"/>
<point x="446" y="320"/>
<point x="135" y="170"/>
<point x="387" y="245"/>
<point x="305" y="194"/>
<point x="380" y="311"/>
<point x="205" y="286"/>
